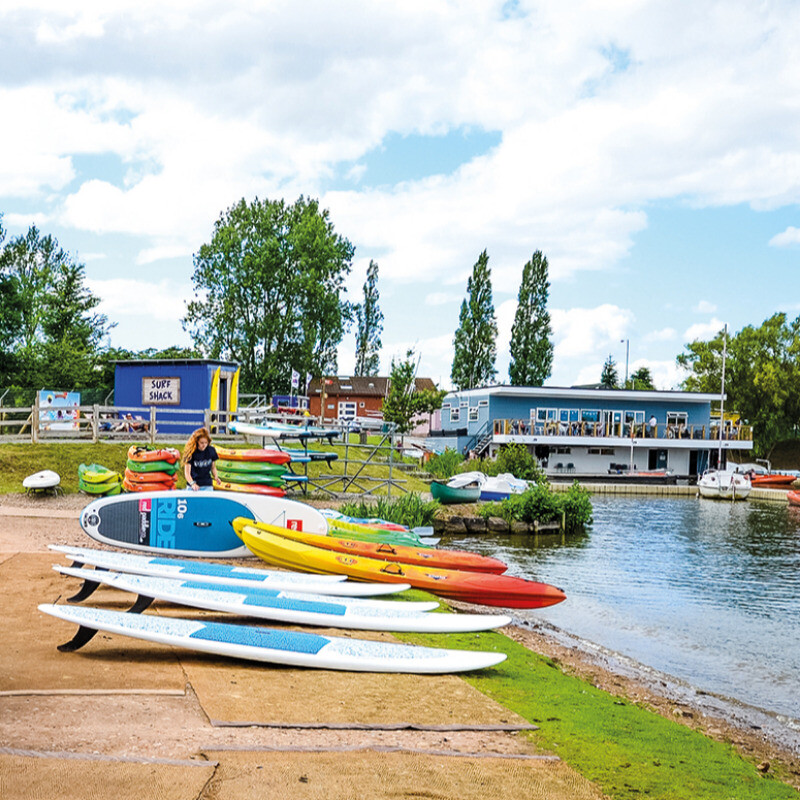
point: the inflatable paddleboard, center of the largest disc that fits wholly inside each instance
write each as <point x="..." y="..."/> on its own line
<point x="291" y="648"/>
<point x="189" y="523"/>
<point x="294" y="607"/>
<point x="46" y="479"/>
<point x="226" y="575"/>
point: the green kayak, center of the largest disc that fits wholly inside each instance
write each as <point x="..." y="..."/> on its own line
<point x="152" y="466"/>
<point x="251" y="467"/>
<point x="250" y="477"/>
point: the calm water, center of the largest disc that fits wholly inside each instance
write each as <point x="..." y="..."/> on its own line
<point x="706" y="591"/>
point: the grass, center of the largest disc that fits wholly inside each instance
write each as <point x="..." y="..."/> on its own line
<point x="18" y="460"/>
<point x="627" y="750"/>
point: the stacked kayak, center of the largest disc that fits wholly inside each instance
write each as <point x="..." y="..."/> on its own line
<point x="257" y="471"/>
<point x="151" y="469"/>
<point x="420" y="556"/>
<point x="793" y="498"/>
<point x="472" y="587"/>
<point x="99" y="480"/>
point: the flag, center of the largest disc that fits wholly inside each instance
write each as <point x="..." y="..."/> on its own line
<point x="308" y="381"/>
<point x="295" y="379"/>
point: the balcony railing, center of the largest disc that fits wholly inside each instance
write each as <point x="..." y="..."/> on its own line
<point x="622" y="430"/>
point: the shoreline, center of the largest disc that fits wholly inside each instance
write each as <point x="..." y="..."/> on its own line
<point x="760" y="736"/>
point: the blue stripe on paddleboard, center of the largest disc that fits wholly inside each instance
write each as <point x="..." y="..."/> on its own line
<point x="221" y="570"/>
<point x="261" y="637"/>
<point x="268" y="598"/>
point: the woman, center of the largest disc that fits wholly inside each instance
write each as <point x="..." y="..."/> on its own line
<point x="199" y="461"/>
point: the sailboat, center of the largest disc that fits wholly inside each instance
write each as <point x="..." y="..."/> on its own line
<point x="720" y="484"/>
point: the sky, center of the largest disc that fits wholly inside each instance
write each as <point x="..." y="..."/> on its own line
<point x="651" y="150"/>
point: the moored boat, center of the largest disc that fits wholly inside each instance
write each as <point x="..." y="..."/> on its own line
<point x="718" y="485"/>
<point x="447" y="494"/>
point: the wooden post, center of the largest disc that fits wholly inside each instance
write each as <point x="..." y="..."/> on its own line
<point x="95" y="423"/>
<point x="35" y="420"/>
<point x="152" y="424"/>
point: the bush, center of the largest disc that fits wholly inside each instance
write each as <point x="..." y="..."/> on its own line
<point x="540" y="504"/>
<point x="516" y="459"/>
<point x="446" y="464"/>
<point x="409" y="510"/>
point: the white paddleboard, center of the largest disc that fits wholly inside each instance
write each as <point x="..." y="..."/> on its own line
<point x="46" y="479"/>
<point x="295" y="607"/>
<point x="276" y="431"/>
<point x="189" y="523"/>
<point x="228" y="575"/>
<point x="291" y="648"/>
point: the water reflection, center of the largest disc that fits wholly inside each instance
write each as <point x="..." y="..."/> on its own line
<point x="704" y="590"/>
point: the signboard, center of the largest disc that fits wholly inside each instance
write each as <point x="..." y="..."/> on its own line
<point x="58" y="410"/>
<point x="161" y="391"/>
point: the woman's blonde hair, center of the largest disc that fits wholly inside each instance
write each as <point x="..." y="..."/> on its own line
<point x="191" y="445"/>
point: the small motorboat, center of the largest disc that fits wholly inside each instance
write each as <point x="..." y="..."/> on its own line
<point x="463" y="488"/>
<point x="502" y="487"/>
<point x="719" y="485"/>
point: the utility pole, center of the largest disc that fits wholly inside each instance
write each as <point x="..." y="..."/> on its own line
<point x="627" y="357"/>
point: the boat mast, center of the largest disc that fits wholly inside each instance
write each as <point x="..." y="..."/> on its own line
<point x="722" y="395"/>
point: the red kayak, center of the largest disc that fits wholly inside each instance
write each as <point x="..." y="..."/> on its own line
<point x="403" y="554"/>
<point x="793" y="498"/>
<point x="250" y="488"/>
<point x="168" y="454"/>
<point x="129" y="486"/>
<point x="266" y="456"/>
<point x="150" y="477"/>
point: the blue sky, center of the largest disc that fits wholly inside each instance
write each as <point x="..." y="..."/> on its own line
<point x="654" y="157"/>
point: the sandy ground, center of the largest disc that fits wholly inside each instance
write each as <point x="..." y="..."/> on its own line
<point x="91" y="723"/>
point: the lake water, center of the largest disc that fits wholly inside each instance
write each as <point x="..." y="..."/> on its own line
<point x="703" y="590"/>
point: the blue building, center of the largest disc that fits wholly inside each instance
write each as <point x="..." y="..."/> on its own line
<point x="591" y="431"/>
<point x="180" y="389"/>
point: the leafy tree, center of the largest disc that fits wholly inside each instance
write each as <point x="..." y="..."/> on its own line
<point x="762" y="373"/>
<point x="403" y="403"/>
<point x="475" y="343"/>
<point x="57" y="334"/>
<point x="267" y="292"/>
<point x="641" y="380"/>
<point x="530" y="348"/>
<point x="609" y="379"/>
<point x="370" y="325"/>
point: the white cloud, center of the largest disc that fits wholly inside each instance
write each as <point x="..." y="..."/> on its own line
<point x="789" y="237"/>
<point x="662" y="335"/>
<point x="705" y="307"/>
<point x="703" y="330"/>
<point x="121" y="297"/>
<point x="583" y="331"/>
<point x="442" y="298"/>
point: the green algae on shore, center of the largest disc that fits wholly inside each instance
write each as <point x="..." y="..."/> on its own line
<point x="627" y="750"/>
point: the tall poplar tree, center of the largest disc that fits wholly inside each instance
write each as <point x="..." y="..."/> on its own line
<point x="369" y="319"/>
<point x="531" y="349"/>
<point x="475" y="342"/>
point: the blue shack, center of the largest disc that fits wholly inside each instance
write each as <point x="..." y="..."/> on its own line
<point x="181" y="390"/>
<point x="591" y="431"/>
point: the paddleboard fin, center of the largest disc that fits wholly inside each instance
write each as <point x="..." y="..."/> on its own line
<point x="142" y="604"/>
<point x="83" y="636"/>
<point x="88" y="586"/>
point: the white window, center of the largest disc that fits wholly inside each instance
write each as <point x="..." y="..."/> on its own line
<point x="347" y="409"/>
<point x="483" y="402"/>
<point x="546" y="414"/>
<point x="455" y="415"/>
<point x="473" y="414"/>
<point x="677" y="417"/>
<point x="590" y="415"/>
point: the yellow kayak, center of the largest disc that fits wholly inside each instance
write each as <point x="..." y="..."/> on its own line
<point x="472" y="587"/>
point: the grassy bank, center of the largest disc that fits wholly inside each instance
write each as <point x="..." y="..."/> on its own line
<point x="627" y="750"/>
<point x="18" y="460"/>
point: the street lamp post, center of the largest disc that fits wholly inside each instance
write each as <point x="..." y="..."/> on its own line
<point x="627" y="357"/>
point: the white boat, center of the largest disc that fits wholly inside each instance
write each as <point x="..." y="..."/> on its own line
<point x="720" y="485"/>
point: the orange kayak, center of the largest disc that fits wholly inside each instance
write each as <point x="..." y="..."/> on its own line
<point x="168" y="454"/>
<point x="150" y="477"/>
<point x="778" y="481"/>
<point x="260" y="455"/>
<point x="404" y="554"/>
<point x="470" y="587"/>
<point x="793" y="498"/>
<point x="130" y="486"/>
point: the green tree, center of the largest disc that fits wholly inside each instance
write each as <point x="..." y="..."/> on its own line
<point x="641" y="380"/>
<point x="531" y="349"/>
<point x="762" y="373"/>
<point x="609" y="379"/>
<point x="403" y="402"/>
<point x="267" y="292"/>
<point x="475" y="343"/>
<point x="58" y="333"/>
<point x="369" y="320"/>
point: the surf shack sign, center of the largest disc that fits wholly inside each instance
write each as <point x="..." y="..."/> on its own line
<point x="161" y="391"/>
